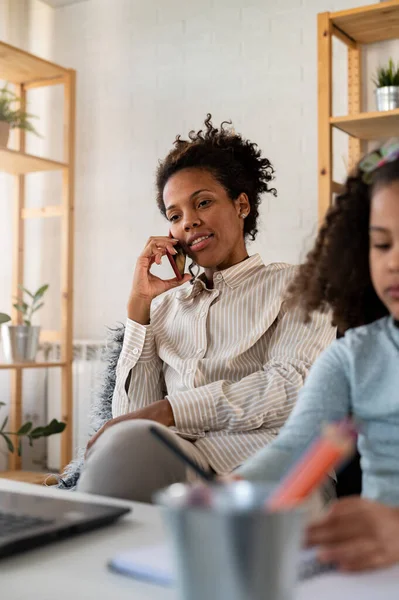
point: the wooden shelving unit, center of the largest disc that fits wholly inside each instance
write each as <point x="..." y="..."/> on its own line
<point x="26" y="69"/>
<point x="368" y="126"/>
<point x="355" y="27"/>
<point x="32" y="365"/>
<point x="19" y="163"/>
<point x="369" y="24"/>
<point x="28" y="477"/>
<point x="26" y="72"/>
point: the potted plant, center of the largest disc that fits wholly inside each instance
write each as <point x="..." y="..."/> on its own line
<point x="21" y="342"/>
<point x="387" y="83"/>
<point x="26" y="431"/>
<point x="12" y="117"/>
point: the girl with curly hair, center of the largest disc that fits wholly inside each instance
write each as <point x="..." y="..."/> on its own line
<point x="217" y="364"/>
<point x="353" y="270"/>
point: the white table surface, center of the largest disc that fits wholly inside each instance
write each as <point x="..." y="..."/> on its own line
<point x="75" y="568"/>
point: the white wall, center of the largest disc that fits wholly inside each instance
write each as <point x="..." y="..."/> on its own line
<point x="147" y="71"/>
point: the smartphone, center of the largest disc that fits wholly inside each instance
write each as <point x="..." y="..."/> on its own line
<point x="177" y="261"/>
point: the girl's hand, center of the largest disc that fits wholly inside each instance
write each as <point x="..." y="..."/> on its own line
<point x="357" y="535"/>
<point x="147" y="286"/>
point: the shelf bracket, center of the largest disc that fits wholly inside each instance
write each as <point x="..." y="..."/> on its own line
<point x="344" y="37"/>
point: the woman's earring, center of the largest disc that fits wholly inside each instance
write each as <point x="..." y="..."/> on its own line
<point x="191" y="269"/>
<point x="243" y="215"/>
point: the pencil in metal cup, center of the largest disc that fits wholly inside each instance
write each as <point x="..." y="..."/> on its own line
<point x="232" y="549"/>
<point x="334" y="446"/>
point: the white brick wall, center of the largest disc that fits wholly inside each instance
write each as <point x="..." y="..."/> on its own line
<point x="150" y="70"/>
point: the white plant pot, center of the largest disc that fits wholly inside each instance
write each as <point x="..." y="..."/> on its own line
<point x="387" y="97"/>
<point x="4" y="133"/>
<point x="20" y="343"/>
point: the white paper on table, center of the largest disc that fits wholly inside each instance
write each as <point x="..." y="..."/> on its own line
<point x="154" y="564"/>
<point x="150" y="563"/>
<point x="375" y="585"/>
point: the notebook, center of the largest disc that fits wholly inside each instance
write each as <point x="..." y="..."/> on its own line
<point x="154" y="564"/>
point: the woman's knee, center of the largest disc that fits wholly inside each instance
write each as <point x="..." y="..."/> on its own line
<point x="131" y="437"/>
<point x="127" y="461"/>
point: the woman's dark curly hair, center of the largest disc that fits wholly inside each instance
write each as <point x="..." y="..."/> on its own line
<point x="336" y="274"/>
<point x="235" y="162"/>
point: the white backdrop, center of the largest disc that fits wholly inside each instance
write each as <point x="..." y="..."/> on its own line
<point x="147" y="71"/>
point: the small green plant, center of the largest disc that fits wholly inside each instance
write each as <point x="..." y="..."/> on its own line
<point x="28" y="308"/>
<point x="26" y="431"/>
<point x="16" y="117"/>
<point x="387" y="76"/>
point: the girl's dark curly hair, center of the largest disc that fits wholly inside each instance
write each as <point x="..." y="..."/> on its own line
<point x="336" y="274"/>
<point x="235" y="162"/>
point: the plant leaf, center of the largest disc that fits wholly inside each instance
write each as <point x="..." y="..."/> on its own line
<point x="27" y="322"/>
<point x="4" y="318"/>
<point x="54" y="427"/>
<point x="4" y="424"/>
<point x="25" y="428"/>
<point x="21" y="308"/>
<point x="21" y="302"/>
<point x="2" y="403"/>
<point x="37" y="307"/>
<point x="21" y="287"/>
<point x="387" y="76"/>
<point x="36" y="433"/>
<point x="18" y="118"/>
<point x="9" y="443"/>
<point x="40" y="292"/>
<point x="5" y="90"/>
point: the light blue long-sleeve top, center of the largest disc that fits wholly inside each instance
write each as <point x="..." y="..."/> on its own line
<point x="357" y="374"/>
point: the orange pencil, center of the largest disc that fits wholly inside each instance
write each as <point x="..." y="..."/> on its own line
<point x="336" y="444"/>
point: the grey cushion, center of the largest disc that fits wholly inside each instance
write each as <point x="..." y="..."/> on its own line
<point x="101" y="410"/>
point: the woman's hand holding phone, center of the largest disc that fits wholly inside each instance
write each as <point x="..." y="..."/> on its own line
<point x="147" y="286"/>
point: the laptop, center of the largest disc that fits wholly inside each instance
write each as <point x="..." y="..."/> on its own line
<point x="28" y="521"/>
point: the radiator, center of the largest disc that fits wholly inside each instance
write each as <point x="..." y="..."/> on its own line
<point x="87" y="368"/>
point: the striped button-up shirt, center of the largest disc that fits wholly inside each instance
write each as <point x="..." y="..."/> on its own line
<point x="230" y="360"/>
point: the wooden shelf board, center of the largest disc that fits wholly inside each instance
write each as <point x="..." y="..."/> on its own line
<point x="18" y="66"/>
<point x="20" y="163"/>
<point x="32" y="365"/>
<point x="369" y="24"/>
<point x="369" y="126"/>
<point x="49" y="336"/>
<point x="35" y="477"/>
<point x="43" y="212"/>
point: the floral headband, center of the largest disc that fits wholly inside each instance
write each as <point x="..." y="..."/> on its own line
<point x="388" y="152"/>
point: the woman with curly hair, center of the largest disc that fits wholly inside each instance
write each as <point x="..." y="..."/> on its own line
<point x="353" y="270"/>
<point x="217" y="364"/>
